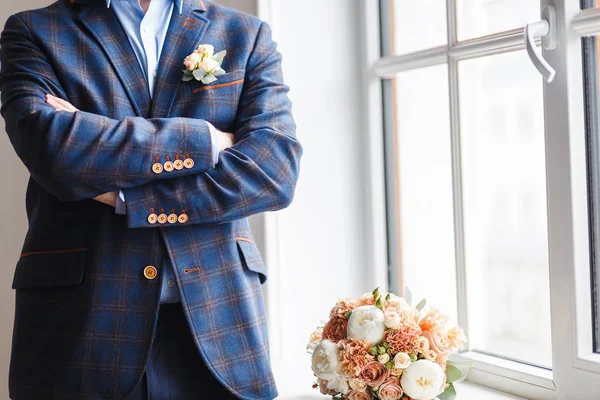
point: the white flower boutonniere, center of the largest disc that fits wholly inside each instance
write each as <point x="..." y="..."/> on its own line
<point x="203" y="65"/>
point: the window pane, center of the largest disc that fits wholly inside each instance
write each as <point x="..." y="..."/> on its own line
<point x="425" y="184"/>
<point x="591" y="65"/>
<point x="504" y="195"/>
<point x="477" y="18"/>
<point x="418" y="25"/>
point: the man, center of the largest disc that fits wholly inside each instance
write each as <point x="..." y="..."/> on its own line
<point x="160" y="299"/>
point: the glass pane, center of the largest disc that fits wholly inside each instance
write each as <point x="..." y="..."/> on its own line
<point x="477" y="18"/>
<point x="425" y="184"/>
<point x="418" y="25"/>
<point x="504" y="203"/>
<point x="591" y="64"/>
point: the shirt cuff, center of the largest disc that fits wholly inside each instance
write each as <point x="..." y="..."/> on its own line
<point x="120" y="208"/>
<point x="215" y="143"/>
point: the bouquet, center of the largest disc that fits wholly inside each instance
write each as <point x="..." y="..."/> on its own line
<point x="381" y="347"/>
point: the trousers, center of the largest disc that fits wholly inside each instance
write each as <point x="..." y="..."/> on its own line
<point x="175" y="369"/>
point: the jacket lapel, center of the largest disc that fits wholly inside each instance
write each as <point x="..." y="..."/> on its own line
<point x="104" y="25"/>
<point x="183" y="37"/>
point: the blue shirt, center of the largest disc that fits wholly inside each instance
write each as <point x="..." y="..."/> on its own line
<point x="147" y="33"/>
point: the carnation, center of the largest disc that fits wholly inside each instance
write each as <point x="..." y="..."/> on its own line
<point x="342" y="308"/>
<point x="353" y="356"/>
<point x="335" y="329"/>
<point x="404" y="339"/>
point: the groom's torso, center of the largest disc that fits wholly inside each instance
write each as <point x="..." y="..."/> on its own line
<point x="85" y="313"/>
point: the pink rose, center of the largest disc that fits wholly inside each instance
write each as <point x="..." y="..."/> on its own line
<point x="208" y="65"/>
<point x="390" y="389"/>
<point x="438" y="342"/>
<point x="374" y="374"/>
<point x="335" y="329"/>
<point x="191" y="62"/>
<point x="354" y="395"/>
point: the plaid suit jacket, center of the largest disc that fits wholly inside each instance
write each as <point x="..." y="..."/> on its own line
<point x="85" y="312"/>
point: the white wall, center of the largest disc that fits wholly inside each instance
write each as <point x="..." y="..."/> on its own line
<point x="321" y="237"/>
<point x="317" y="248"/>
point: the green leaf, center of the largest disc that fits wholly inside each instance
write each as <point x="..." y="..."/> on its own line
<point x="379" y="303"/>
<point x="199" y="74"/>
<point x="187" y="78"/>
<point x="421" y="304"/>
<point x="348" y="314"/>
<point x="388" y="297"/>
<point x="453" y="373"/>
<point x="218" y="72"/>
<point x="449" y="394"/>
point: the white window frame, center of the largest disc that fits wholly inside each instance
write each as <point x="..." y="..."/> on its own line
<point x="576" y="368"/>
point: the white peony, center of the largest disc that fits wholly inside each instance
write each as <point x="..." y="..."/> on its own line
<point x="325" y="359"/>
<point x="423" y="380"/>
<point x="338" y="383"/>
<point x="367" y="323"/>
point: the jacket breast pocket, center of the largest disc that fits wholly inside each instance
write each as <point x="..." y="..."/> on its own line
<point x="46" y="269"/>
<point x="216" y="102"/>
<point x="251" y="258"/>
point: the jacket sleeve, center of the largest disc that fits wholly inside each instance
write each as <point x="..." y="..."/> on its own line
<point x="80" y="155"/>
<point x="259" y="173"/>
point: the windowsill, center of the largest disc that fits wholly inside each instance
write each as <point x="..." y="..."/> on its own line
<point x="465" y="390"/>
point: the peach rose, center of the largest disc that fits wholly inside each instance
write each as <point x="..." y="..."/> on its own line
<point x="401" y="360"/>
<point x="433" y="319"/>
<point x="191" y="62"/>
<point x="396" y="371"/>
<point x="314" y="339"/>
<point x="423" y="344"/>
<point x="335" y="329"/>
<point x="392" y="319"/>
<point x="374" y="374"/>
<point x="355" y="395"/>
<point x="438" y="342"/>
<point x="430" y="355"/>
<point x="390" y="389"/>
<point x="342" y="307"/>
<point x="357" y="385"/>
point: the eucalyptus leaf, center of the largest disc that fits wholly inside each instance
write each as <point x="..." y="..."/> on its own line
<point x="421" y="304"/>
<point x="219" y="56"/>
<point x="449" y="394"/>
<point x="208" y="79"/>
<point x="453" y="373"/>
<point x="187" y="78"/>
<point x="408" y="295"/>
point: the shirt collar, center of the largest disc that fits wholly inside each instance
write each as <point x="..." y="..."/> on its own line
<point x="178" y="3"/>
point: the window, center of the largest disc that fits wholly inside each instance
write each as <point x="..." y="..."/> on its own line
<point x="493" y="183"/>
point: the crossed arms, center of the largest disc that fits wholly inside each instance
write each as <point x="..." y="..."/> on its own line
<point x="80" y="155"/>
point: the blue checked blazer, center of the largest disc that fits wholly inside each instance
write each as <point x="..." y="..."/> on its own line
<point x="85" y="312"/>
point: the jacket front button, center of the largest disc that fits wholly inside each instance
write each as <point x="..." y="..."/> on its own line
<point x="150" y="272"/>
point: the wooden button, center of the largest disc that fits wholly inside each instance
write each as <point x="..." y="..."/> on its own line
<point x="169" y="167"/>
<point x="157" y="168"/>
<point x="150" y="272"/>
<point x="183" y="218"/>
<point x="188" y="163"/>
<point x="152" y="218"/>
<point x="178" y="164"/>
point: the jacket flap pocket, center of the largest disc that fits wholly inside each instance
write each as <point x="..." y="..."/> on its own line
<point x="44" y="269"/>
<point x="251" y="257"/>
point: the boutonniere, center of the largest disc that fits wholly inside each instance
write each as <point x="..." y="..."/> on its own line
<point x="203" y="65"/>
